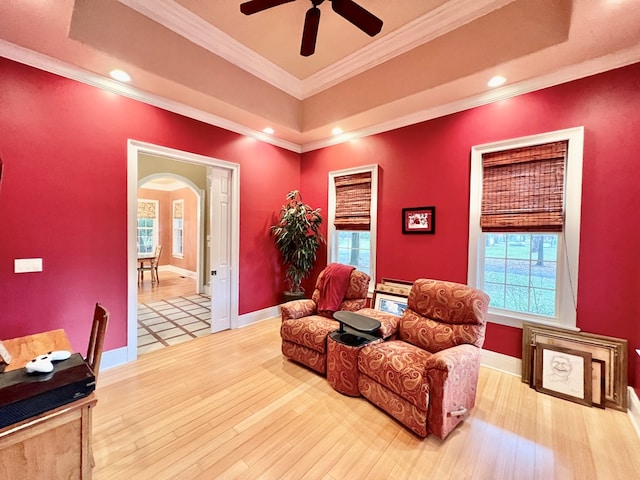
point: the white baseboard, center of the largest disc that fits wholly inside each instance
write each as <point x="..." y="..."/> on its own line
<point x="258" y="316"/>
<point x="177" y="270"/>
<point x="501" y="362"/>
<point x="113" y="358"/>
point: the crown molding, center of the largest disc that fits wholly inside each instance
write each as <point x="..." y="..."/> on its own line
<point x="164" y="187"/>
<point x="567" y="74"/>
<point x="447" y="17"/>
<point x="439" y="21"/>
<point x="178" y="19"/>
<point x="51" y="65"/>
<point x="564" y="75"/>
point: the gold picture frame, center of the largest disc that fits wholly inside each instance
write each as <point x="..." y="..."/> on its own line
<point x="609" y="350"/>
<point x="597" y="382"/>
<point x="395" y="287"/>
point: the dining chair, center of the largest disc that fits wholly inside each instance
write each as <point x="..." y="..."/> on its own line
<point x="152" y="267"/>
<point x="96" y="340"/>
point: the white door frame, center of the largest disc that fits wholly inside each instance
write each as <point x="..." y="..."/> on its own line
<point x="134" y="149"/>
<point x="200" y="194"/>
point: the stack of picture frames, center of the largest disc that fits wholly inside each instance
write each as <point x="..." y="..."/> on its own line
<point x="391" y="296"/>
<point x="582" y="367"/>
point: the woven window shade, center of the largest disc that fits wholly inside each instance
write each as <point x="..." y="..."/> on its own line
<point x="178" y="208"/>
<point x="146" y="209"/>
<point x="523" y="189"/>
<point x="353" y="202"/>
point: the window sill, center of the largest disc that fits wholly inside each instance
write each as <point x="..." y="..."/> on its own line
<point x="513" y="320"/>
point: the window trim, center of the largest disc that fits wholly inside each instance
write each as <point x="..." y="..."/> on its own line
<point x="174" y="253"/>
<point x="156" y="221"/>
<point x="570" y="236"/>
<point x="373" y="212"/>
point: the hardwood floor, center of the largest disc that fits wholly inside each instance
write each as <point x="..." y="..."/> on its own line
<point x="230" y="406"/>
<point x="171" y="285"/>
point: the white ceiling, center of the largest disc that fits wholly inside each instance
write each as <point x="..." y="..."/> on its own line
<point x="205" y="59"/>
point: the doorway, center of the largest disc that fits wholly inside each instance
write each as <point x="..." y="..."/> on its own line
<point x="218" y="246"/>
<point x="170" y="219"/>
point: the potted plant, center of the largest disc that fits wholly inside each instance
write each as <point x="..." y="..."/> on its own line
<point x="297" y="236"/>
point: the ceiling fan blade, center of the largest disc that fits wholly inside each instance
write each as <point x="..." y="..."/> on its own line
<point x="310" y="32"/>
<point x="361" y="18"/>
<point x="255" y="6"/>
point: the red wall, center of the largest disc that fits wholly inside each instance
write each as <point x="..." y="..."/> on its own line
<point x="429" y="164"/>
<point x="64" y="199"/>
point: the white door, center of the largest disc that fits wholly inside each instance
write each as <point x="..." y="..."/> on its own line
<point x="220" y="249"/>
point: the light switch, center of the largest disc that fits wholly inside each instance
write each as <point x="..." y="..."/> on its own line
<point x="24" y="265"/>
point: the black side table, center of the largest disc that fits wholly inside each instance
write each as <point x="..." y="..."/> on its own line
<point x="342" y="350"/>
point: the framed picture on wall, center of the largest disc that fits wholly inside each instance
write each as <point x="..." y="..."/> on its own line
<point x="419" y="220"/>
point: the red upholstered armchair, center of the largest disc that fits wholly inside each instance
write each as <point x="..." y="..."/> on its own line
<point x="427" y="377"/>
<point x="304" y="328"/>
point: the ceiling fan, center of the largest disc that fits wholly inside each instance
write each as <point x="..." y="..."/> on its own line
<point x="348" y="9"/>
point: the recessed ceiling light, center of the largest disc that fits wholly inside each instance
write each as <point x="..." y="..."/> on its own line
<point x="337" y="131"/>
<point x="268" y="130"/>
<point x="496" y="81"/>
<point x="120" y="75"/>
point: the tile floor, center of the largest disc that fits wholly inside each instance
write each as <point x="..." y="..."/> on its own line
<point x="172" y="321"/>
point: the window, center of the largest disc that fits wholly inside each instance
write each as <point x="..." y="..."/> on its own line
<point x="178" y="228"/>
<point x="354" y="248"/>
<point x="525" y="226"/>
<point x="147" y="234"/>
<point x="520" y="272"/>
<point x="353" y="200"/>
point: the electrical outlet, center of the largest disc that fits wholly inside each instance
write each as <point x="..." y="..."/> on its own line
<point x="24" y="265"/>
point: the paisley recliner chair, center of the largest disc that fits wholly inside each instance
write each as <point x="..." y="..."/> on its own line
<point x="427" y="377"/>
<point x="305" y="328"/>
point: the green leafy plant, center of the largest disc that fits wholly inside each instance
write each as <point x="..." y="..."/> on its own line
<point x="297" y="236"/>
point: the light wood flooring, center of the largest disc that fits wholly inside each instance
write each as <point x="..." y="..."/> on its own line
<point x="171" y="285"/>
<point x="229" y="406"/>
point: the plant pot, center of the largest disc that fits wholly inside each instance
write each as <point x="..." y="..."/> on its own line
<point x="289" y="296"/>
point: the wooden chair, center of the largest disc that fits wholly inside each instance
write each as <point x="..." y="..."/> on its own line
<point x="153" y="267"/>
<point x="96" y="340"/>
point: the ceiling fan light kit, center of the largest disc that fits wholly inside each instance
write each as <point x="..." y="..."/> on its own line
<point x="347" y="9"/>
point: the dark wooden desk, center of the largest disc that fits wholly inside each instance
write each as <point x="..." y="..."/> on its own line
<point x="55" y="444"/>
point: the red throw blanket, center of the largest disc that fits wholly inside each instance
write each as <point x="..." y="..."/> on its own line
<point x="333" y="286"/>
